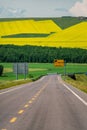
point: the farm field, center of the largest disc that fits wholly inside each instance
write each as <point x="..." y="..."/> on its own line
<point x="43" y="32"/>
<point x="37" y="70"/>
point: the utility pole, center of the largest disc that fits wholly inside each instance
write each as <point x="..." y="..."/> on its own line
<point x="64" y="69"/>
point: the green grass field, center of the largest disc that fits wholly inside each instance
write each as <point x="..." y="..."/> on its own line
<point x="37" y="70"/>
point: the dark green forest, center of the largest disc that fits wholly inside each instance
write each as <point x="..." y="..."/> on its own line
<point x="26" y="53"/>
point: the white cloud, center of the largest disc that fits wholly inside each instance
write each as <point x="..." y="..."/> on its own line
<point x="79" y="9"/>
<point x="36" y="8"/>
<point x="11" y="12"/>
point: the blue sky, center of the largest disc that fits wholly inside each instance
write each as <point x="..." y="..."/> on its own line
<point x="42" y="8"/>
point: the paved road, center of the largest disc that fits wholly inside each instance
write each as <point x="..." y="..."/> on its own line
<point x="47" y="104"/>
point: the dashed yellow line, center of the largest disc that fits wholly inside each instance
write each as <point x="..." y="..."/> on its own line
<point x="26" y="106"/>
<point x="21" y="111"/>
<point x="30" y="101"/>
<point x="35" y="96"/>
<point x="13" y="120"/>
<point x="33" y="99"/>
<point x="39" y="92"/>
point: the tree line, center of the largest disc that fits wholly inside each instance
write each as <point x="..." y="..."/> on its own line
<point x="27" y="53"/>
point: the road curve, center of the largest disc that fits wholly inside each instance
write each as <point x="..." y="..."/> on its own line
<point x="46" y="104"/>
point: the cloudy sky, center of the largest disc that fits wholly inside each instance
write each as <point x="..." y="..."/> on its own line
<point x="42" y="8"/>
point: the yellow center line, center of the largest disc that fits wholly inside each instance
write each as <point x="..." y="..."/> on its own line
<point x="30" y="101"/>
<point x="26" y="105"/>
<point x="41" y="91"/>
<point x="21" y="111"/>
<point x="37" y="94"/>
<point x="33" y="98"/>
<point x="13" y="120"/>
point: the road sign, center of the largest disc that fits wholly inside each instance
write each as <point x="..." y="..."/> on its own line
<point x="20" y="68"/>
<point x="58" y="63"/>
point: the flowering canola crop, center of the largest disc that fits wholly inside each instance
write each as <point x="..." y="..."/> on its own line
<point x="74" y="36"/>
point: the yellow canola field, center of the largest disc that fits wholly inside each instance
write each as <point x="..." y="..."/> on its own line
<point x="44" y="42"/>
<point x="8" y="28"/>
<point x="75" y="36"/>
<point x="48" y="25"/>
<point x="27" y="26"/>
<point x="77" y="32"/>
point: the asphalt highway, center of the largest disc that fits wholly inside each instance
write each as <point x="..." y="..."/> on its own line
<point x="46" y="104"/>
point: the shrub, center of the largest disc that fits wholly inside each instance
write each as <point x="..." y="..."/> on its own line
<point x="1" y="70"/>
<point x="72" y="76"/>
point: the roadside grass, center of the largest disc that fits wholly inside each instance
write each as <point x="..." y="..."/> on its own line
<point x="9" y="84"/>
<point x="37" y="70"/>
<point x="80" y="82"/>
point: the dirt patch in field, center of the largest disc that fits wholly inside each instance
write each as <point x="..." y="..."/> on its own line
<point x="36" y="69"/>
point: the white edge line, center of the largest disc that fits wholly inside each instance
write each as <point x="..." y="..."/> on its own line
<point x="10" y="90"/>
<point x="83" y="101"/>
<point x="13" y="89"/>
